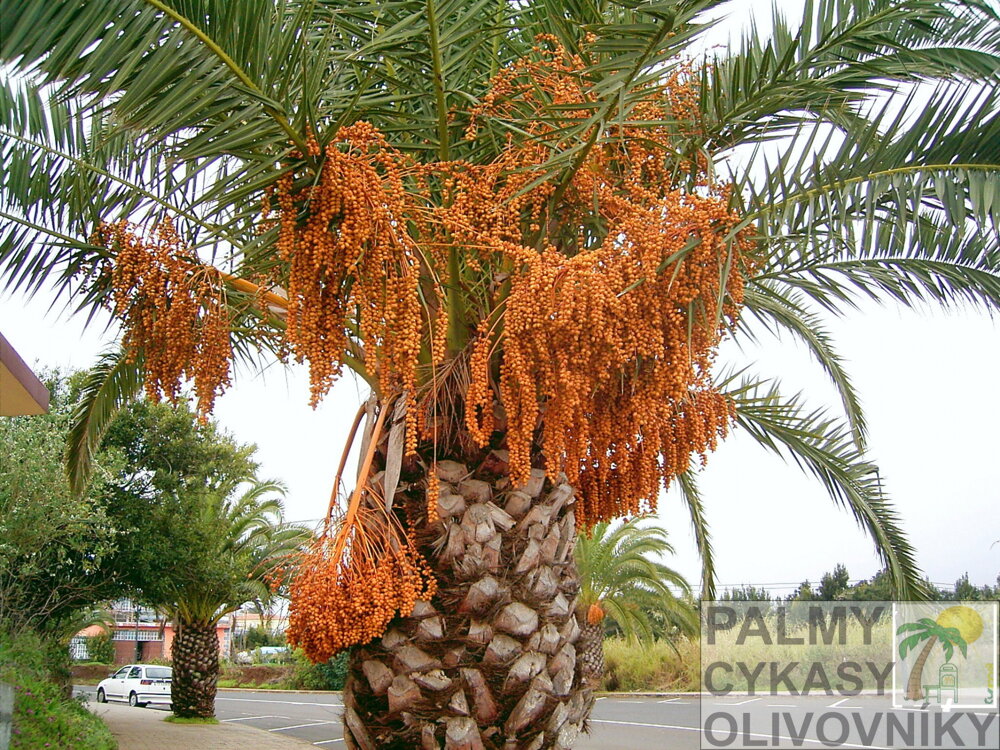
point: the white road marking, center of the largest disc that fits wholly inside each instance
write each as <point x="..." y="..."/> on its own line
<point x="838" y="703"/>
<point x="252" y="718"/>
<point x="327" y="742"/>
<point x="678" y="701"/>
<point x="740" y="703"/>
<point x="745" y="734"/>
<point x="300" y="726"/>
<point x="782" y="705"/>
<point x="284" y="703"/>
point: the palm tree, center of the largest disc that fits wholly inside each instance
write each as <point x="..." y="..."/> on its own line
<point x="526" y="226"/>
<point x="620" y="578"/>
<point x="237" y="543"/>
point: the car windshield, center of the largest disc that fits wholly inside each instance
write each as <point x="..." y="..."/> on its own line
<point x="158" y="673"/>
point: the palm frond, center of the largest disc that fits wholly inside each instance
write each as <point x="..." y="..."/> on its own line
<point x="823" y="65"/>
<point x="783" y="309"/>
<point x="691" y="495"/>
<point x="824" y="447"/>
<point x="114" y="381"/>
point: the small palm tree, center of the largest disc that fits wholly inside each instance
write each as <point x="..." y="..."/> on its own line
<point x="954" y="627"/>
<point x="620" y="578"/>
<point x="241" y="541"/>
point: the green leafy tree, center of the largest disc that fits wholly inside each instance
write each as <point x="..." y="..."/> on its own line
<point x="101" y="648"/>
<point x="194" y="110"/>
<point x="805" y="593"/>
<point x="965" y="590"/>
<point x="54" y="545"/>
<point x="211" y="533"/>
<point x="834" y="585"/>
<point x="745" y="593"/>
<point x="257" y="636"/>
<point x="878" y="589"/>
<point x="621" y="577"/>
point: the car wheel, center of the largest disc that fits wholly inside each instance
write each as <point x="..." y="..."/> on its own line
<point x="101" y="697"/>
<point x="133" y="700"/>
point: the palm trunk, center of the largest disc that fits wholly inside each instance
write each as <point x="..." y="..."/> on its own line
<point x="491" y="662"/>
<point x="195" y="655"/>
<point x="591" y="650"/>
<point x="914" y="690"/>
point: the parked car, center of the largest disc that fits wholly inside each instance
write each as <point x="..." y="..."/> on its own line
<point x="139" y="684"/>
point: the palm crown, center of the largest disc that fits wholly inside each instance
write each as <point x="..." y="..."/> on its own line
<point x="238" y="530"/>
<point x="621" y="577"/>
<point x="505" y="149"/>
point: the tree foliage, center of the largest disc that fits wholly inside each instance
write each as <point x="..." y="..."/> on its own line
<point x="203" y="530"/>
<point x="55" y="546"/>
<point x="621" y="574"/>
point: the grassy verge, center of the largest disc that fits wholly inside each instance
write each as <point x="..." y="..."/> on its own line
<point x="191" y="720"/>
<point x="655" y="666"/>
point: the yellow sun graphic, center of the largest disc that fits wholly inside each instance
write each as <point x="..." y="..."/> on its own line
<point x="964" y="619"/>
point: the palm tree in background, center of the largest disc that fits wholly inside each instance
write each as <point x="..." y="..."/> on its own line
<point x="234" y="544"/>
<point x="622" y="579"/>
<point x="850" y="154"/>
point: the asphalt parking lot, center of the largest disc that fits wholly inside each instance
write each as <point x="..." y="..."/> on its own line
<point x="648" y="723"/>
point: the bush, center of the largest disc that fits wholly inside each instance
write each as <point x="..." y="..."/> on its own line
<point x="631" y="666"/>
<point x="44" y="715"/>
<point x="330" y="675"/>
<point x="101" y="648"/>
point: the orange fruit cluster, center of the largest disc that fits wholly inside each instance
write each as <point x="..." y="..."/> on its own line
<point x="173" y="312"/>
<point x="585" y="306"/>
<point x="610" y="326"/>
<point x="349" y="585"/>
<point x="353" y="266"/>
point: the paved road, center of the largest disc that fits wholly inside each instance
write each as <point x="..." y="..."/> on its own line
<point x="655" y="723"/>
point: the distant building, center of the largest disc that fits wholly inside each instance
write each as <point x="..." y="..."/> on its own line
<point x="139" y="635"/>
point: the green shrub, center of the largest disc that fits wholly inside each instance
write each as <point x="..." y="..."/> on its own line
<point x="330" y="675"/>
<point x="101" y="648"/>
<point x="44" y="714"/>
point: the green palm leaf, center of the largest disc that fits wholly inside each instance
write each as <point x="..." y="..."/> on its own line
<point x="619" y="571"/>
<point x="823" y="446"/>
<point x="910" y="643"/>
<point x="112" y="383"/>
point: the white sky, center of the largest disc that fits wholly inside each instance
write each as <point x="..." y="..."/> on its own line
<point x="928" y="381"/>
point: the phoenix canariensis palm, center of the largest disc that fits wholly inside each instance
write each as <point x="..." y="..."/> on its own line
<point x="526" y="226"/>
<point x="954" y="627"/>
<point x="236" y="546"/>
<point x="622" y="579"/>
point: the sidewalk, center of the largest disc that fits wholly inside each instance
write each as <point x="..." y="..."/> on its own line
<point x="145" y="729"/>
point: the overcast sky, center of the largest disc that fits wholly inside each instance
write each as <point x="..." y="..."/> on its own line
<point x="928" y="381"/>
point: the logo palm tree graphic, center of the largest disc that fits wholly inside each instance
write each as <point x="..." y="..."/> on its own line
<point x="955" y="626"/>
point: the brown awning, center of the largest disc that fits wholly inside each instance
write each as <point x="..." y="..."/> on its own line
<point x="20" y="391"/>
